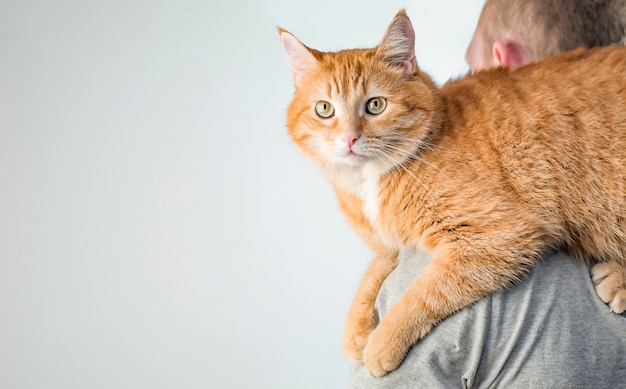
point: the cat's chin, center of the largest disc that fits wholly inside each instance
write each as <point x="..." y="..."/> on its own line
<point x="356" y="166"/>
<point x="352" y="160"/>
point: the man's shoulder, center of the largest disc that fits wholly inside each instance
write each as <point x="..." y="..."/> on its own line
<point x="550" y="320"/>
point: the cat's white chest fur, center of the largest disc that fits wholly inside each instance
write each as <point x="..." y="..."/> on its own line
<point x="365" y="184"/>
<point x="368" y="191"/>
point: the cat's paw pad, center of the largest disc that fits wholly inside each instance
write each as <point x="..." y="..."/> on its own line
<point x="609" y="279"/>
<point x="383" y="354"/>
<point x="355" y="337"/>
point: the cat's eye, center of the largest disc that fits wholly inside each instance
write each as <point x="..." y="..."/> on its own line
<point x="375" y="105"/>
<point x="324" y="109"/>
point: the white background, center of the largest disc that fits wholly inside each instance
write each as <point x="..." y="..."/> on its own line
<point x="158" y="228"/>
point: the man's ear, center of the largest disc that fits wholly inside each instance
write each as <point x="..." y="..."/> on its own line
<point x="508" y="55"/>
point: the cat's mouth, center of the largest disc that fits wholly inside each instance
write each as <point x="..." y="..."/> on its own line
<point x="354" y="158"/>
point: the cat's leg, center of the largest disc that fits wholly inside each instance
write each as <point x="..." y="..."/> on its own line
<point x="609" y="279"/>
<point x="449" y="283"/>
<point x="361" y="319"/>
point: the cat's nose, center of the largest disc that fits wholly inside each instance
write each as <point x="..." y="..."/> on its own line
<point x="350" y="138"/>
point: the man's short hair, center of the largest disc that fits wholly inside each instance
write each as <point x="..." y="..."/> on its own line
<point x="548" y="27"/>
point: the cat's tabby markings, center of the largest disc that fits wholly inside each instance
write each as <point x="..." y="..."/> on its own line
<point x="487" y="172"/>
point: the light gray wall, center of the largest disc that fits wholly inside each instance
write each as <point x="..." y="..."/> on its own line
<point x="158" y="229"/>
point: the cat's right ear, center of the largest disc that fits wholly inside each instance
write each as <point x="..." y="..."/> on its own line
<point x="301" y="58"/>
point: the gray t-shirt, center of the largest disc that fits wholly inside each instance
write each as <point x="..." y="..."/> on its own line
<point x="548" y="331"/>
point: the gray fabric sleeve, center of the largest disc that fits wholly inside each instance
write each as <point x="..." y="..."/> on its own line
<point x="550" y="330"/>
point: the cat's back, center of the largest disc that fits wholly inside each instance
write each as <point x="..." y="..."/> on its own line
<point x="575" y="81"/>
<point x="550" y="133"/>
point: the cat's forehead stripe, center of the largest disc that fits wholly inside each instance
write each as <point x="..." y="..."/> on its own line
<point x="349" y="76"/>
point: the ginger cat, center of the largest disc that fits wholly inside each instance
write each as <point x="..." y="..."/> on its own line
<point x="487" y="172"/>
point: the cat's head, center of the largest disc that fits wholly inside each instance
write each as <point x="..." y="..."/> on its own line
<point x="362" y="107"/>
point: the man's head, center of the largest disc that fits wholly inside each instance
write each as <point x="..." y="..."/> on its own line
<point x="511" y="33"/>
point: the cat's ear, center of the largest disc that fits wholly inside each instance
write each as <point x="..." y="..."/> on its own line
<point x="398" y="44"/>
<point x="301" y="58"/>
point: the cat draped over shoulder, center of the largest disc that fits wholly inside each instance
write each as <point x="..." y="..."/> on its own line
<point x="487" y="172"/>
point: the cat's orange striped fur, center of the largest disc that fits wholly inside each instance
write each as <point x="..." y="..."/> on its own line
<point x="487" y="173"/>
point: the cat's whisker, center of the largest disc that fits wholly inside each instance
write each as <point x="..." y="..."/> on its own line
<point x="432" y="146"/>
<point x="413" y="156"/>
<point x="423" y="145"/>
<point x="390" y="165"/>
<point x="394" y="166"/>
<point x="409" y="155"/>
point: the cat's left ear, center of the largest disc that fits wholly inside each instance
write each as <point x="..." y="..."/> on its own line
<point x="398" y="44"/>
<point x="301" y="58"/>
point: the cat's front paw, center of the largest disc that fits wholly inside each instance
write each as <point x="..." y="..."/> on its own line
<point x="356" y="333"/>
<point x="384" y="352"/>
<point x="609" y="279"/>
